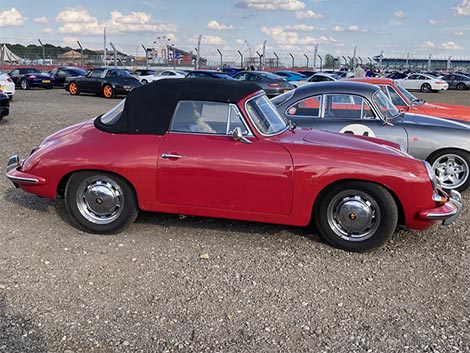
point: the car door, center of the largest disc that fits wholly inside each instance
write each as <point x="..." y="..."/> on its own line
<point x="345" y="113"/>
<point x="92" y="82"/>
<point x="200" y="165"/>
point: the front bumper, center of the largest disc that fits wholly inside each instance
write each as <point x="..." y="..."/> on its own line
<point x="17" y="177"/>
<point x="447" y="212"/>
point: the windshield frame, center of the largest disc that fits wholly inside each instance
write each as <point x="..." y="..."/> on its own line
<point x="259" y="111"/>
<point x="412" y="100"/>
<point x="384" y="107"/>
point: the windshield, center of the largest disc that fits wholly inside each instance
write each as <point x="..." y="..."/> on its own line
<point x="265" y="116"/>
<point x="412" y="99"/>
<point x="386" y="107"/>
<point x="113" y="115"/>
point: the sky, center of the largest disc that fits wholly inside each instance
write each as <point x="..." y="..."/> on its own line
<point x="398" y="28"/>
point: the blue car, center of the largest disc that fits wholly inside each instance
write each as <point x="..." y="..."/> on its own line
<point x="291" y="75"/>
<point x="27" y="77"/>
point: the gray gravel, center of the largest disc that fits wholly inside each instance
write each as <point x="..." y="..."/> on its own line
<point x="187" y="284"/>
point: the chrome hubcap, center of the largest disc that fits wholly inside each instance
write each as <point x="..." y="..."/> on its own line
<point x="100" y="200"/>
<point x="451" y="170"/>
<point x="353" y="215"/>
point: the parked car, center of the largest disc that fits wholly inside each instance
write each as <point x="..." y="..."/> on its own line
<point x="423" y="83"/>
<point x="318" y="77"/>
<point x="396" y="75"/>
<point x="363" y="109"/>
<point x="272" y="84"/>
<point x="144" y="75"/>
<point x="231" y="71"/>
<point x="170" y="74"/>
<point x="62" y="72"/>
<point x="7" y="85"/>
<point x="219" y="148"/>
<point x="27" y="77"/>
<point x="4" y="105"/>
<point x="456" y="81"/>
<point x="406" y="101"/>
<point x="291" y="75"/>
<point x="208" y="74"/>
<point x="106" y="82"/>
<point x="307" y="73"/>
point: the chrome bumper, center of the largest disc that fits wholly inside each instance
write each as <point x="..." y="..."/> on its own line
<point x="447" y="212"/>
<point x="15" y="176"/>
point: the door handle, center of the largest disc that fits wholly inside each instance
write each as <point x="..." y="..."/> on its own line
<point x="169" y="155"/>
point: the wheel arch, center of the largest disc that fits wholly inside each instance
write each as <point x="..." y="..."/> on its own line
<point x="401" y="211"/>
<point x="60" y="192"/>
<point x="446" y="150"/>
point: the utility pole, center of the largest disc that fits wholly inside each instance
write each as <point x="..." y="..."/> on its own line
<point x="221" y="60"/>
<point x="43" y="56"/>
<point x="292" y="56"/>
<point x="198" y="51"/>
<point x="241" y="58"/>
<point x="277" y="61"/>
<point x="104" y="47"/>
<point x="146" y="57"/>
<point x="115" y="54"/>
<point x="307" y="59"/>
<point x="81" y="54"/>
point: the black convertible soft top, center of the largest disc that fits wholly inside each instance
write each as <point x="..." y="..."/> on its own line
<point x="148" y="109"/>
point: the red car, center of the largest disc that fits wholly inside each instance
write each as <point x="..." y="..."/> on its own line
<point x="407" y="102"/>
<point x="219" y="148"/>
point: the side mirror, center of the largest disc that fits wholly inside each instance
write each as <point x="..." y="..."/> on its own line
<point x="238" y="136"/>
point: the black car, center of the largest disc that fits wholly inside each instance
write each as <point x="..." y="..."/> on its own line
<point x="397" y="75"/>
<point x="27" y="77"/>
<point x="208" y="74"/>
<point x="62" y="72"/>
<point x="231" y="71"/>
<point x="272" y="84"/>
<point x="456" y="81"/>
<point x="4" y="105"/>
<point x="103" y="81"/>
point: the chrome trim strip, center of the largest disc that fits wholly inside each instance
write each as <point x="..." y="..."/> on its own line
<point x="24" y="180"/>
<point x="169" y="155"/>
<point x="456" y="199"/>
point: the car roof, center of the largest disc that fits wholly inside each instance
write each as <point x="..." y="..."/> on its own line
<point x="162" y="96"/>
<point x="336" y="87"/>
<point x="372" y="80"/>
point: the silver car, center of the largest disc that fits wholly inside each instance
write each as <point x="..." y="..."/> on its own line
<point x="363" y="109"/>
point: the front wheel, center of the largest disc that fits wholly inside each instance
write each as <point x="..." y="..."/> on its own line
<point x="24" y="85"/>
<point x="452" y="168"/>
<point x="100" y="202"/>
<point x="73" y="89"/>
<point x="426" y="87"/>
<point x="356" y="216"/>
<point x="108" y="91"/>
<point x="461" y="86"/>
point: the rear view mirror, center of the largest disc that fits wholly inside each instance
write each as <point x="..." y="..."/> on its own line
<point x="238" y="135"/>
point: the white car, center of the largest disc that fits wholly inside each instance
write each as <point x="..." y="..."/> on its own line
<point x="170" y="74"/>
<point x="144" y="75"/>
<point x="423" y="83"/>
<point x="7" y="85"/>
<point x="317" y="77"/>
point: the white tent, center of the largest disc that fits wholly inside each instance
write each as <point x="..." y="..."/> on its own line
<point x="7" y="56"/>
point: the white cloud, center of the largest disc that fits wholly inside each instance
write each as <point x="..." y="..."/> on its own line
<point x="435" y="22"/>
<point x="427" y="45"/>
<point x="78" y="20"/>
<point x="283" y="36"/>
<point x="400" y="14"/>
<point x="300" y="28"/>
<point x="212" y="40"/>
<point x="47" y="30"/>
<point x="458" y="33"/>
<point x="217" y="26"/>
<point x="41" y="20"/>
<point x="451" y="46"/>
<point x="289" y="5"/>
<point x="305" y="15"/>
<point x="352" y="28"/>
<point x="463" y="9"/>
<point x="12" y="17"/>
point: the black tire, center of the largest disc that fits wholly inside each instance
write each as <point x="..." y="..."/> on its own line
<point x="356" y="216"/>
<point x="426" y="88"/>
<point x="452" y="168"/>
<point x="24" y="85"/>
<point x="144" y="81"/>
<point x="461" y="86"/>
<point x="100" y="202"/>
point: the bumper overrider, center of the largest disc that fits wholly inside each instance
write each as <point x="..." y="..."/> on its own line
<point x="18" y="177"/>
<point x="448" y="207"/>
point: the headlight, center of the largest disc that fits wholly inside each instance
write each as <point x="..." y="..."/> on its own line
<point x="435" y="182"/>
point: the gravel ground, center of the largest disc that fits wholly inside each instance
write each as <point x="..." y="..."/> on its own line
<point x="187" y="284"/>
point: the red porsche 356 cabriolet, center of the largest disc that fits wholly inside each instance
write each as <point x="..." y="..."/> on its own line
<point x="219" y="148"/>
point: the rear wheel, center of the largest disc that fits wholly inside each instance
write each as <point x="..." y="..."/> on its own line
<point x="426" y="87"/>
<point x="24" y="85"/>
<point x="100" y="202"/>
<point x="108" y="91"/>
<point x="356" y="216"/>
<point x="73" y="89"/>
<point x="144" y="81"/>
<point x="452" y="168"/>
<point x="461" y="86"/>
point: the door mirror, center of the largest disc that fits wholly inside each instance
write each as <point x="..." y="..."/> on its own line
<point x="238" y="135"/>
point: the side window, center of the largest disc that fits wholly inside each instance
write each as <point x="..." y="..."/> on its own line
<point x="306" y="107"/>
<point x="207" y="118"/>
<point x="395" y="97"/>
<point x="343" y="106"/>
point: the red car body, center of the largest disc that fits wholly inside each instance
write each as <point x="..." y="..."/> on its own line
<point x="265" y="177"/>
<point x="405" y="101"/>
